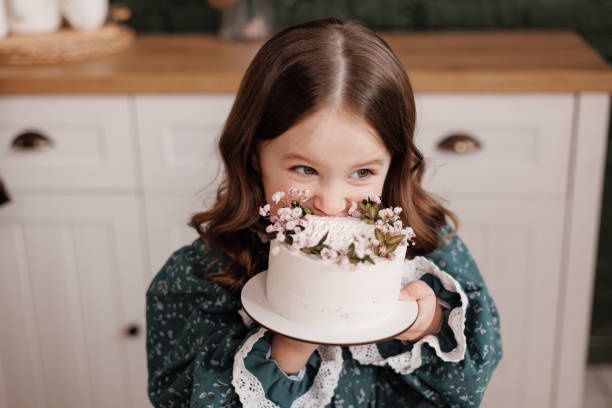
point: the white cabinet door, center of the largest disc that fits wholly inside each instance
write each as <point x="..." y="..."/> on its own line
<point x="516" y="245"/>
<point x="71" y="285"/>
<point x="167" y="219"/>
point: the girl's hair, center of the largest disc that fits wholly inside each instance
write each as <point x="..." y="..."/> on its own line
<point x="296" y="72"/>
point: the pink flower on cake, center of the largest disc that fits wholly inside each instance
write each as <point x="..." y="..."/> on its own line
<point x="354" y="211"/>
<point x="276" y="197"/>
<point x="344" y="262"/>
<point x="328" y="254"/>
<point x="295" y="194"/>
<point x="263" y="211"/>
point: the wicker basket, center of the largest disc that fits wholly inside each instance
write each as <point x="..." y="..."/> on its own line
<point x="65" y="45"/>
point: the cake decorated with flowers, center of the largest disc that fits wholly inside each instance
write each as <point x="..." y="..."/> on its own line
<point x="335" y="272"/>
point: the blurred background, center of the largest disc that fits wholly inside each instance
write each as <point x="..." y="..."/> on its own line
<point x="155" y="122"/>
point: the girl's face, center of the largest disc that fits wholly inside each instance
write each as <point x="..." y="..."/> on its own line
<point x="334" y="154"/>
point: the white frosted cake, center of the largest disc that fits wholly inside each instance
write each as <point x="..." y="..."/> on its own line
<point x="335" y="272"/>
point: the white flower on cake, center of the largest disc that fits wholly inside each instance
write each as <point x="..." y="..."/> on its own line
<point x="276" y="197"/>
<point x="295" y="226"/>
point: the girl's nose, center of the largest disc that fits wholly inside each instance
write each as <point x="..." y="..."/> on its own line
<point x="329" y="203"/>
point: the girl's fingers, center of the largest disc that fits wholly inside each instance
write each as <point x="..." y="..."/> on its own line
<point x="415" y="290"/>
<point x="426" y="300"/>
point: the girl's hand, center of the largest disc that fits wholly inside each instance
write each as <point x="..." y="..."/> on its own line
<point x="430" y="313"/>
<point x="291" y="355"/>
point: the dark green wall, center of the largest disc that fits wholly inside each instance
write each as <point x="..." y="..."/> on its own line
<point x="592" y="19"/>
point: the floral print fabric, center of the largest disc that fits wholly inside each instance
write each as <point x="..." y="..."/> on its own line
<point x="194" y="330"/>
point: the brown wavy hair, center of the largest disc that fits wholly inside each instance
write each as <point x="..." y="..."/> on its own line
<point x="297" y="71"/>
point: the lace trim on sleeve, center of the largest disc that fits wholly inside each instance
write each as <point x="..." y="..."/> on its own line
<point x="326" y="380"/>
<point x="407" y="362"/>
<point x="251" y="392"/>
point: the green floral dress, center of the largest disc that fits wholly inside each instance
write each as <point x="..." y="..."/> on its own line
<point x="204" y="351"/>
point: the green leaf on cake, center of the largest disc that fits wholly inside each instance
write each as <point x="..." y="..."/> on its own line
<point x="379" y="235"/>
<point x="362" y="206"/>
<point x="368" y="259"/>
<point x="395" y="239"/>
<point x="369" y="209"/>
<point x="392" y="248"/>
<point x="372" y="211"/>
<point x="316" y="249"/>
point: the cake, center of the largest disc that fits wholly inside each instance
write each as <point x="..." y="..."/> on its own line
<point x="335" y="272"/>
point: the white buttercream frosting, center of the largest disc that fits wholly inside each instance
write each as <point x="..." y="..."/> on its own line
<point x="312" y="291"/>
<point x="341" y="232"/>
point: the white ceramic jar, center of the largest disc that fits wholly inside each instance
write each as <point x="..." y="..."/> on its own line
<point x="84" y="14"/>
<point x="3" y="19"/>
<point x="33" y="16"/>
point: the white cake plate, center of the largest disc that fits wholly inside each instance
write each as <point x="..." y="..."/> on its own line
<point x="256" y="305"/>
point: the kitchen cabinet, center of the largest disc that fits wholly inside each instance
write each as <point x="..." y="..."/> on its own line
<point x="73" y="254"/>
<point x="71" y="302"/>
<point x="127" y="153"/>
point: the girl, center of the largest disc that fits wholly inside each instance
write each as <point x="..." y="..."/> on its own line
<point x="326" y="107"/>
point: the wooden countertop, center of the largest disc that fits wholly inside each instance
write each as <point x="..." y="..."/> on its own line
<point x="443" y="61"/>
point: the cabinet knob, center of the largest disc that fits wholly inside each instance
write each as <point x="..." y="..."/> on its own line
<point x="133" y="330"/>
<point x="31" y="140"/>
<point x="459" y="143"/>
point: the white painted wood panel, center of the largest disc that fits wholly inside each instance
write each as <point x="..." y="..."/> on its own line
<point x="3" y="401"/>
<point x="178" y="137"/>
<point x="579" y="255"/>
<point x="92" y="144"/>
<point x="525" y="142"/>
<point x="73" y="279"/>
<point x="516" y="245"/>
<point x="167" y="218"/>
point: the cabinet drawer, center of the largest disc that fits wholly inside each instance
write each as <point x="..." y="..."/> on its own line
<point x="524" y="143"/>
<point x="179" y="136"/>
<point x="90" y="142"/>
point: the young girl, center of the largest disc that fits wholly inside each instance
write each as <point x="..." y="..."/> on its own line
<point x="325" y="107"/>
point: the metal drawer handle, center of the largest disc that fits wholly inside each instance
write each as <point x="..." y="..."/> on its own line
<point x="133" y="330"/>
<point x="459" y="143"/>
<point x="31" y="140"/>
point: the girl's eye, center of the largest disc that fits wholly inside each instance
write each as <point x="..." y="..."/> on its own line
<point x="305" y="170"/>
<point x="361" y="173"/>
